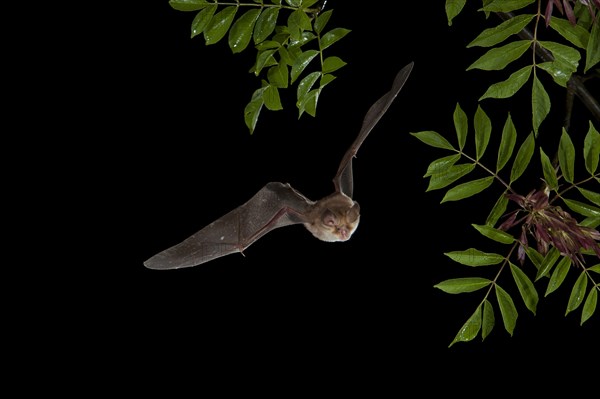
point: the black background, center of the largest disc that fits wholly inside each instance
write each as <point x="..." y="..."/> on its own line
<point x="175" y="154"/>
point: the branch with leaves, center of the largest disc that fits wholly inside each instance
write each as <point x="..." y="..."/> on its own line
<point x="282" y="35"/>
<point x="535" y="229"/>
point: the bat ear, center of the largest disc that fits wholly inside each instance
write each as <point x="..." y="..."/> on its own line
<point x="353" y="213"/>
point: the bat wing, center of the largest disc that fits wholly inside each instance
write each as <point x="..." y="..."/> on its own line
<point x="343" y="180"/>
<point x="275" y="205"/>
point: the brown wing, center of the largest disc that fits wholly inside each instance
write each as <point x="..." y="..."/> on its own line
<point x="343" y="180"/>
<point x="275" y="205"/>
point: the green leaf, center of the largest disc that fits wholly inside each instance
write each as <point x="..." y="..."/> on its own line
<point x="188" y="5"/>
<point x="321" y="21"/>
<point x="474" y="257"/>
<point x="333" y="36"/>
<point x="557" y="71"/>
<point x="577" y="293"/>
<point x="591" y="222"/>
<point x="566" y="54"/>
<point x="593" y="48"/>
<point x="331" y="64"/>
<point x="294" y="3"/>
<point x="302" y="62"/>
<point x="574" y="34"/>
<point x="467" y="189"/>
<point x="253" y="108"/>
<point x="298" y="21"/>
<point x="499" y="57"/>
<point x="241" y="31"/>
<point x="591" y="149"/>
<point x="522" y="159"/>
<point x="306" y="84"/>
<point x="582" y="208"/>
<point x="268" y="45"/>
<point x="507" y="143"/>
<point x="566" y="60"/>
<point x="498" y="34"/>
<point x="277" y="76"/>
<point x="326" y="78"/>
<point x="558" y="275"/>
<point x="300" y="39"/>
<point x="535" y="257"/>
<point x="265" y="24"/>
<point x="461" y="125"/>
<point x="264" y="58"/>
<point x="441" y="165"/>
<point x="308" y="103"/>
<point x="494" y="234"/>
<point x="470" y="329"/>
<point x="433" y="139"/>
<point x="483" y="130"/>
<point x="507" y="309"/>
<point x="453" y="8"/>
<point x="506" y="5"/>
<point x="219" y="25"/>
<point x="443" y="179"/>
<point x="488" y="319"/>
<point x="510" y="86"/>
<point x="271" y="98"/>
<point x="526" y="288"/>
<point x="202" y="19"/>
<point x="463" y="284"/>
<point x="306" y="4"/>
<point x="590" y="305"/>
<point x="498" y="210"/>
<point x="590" y="195"/>
<point x="549" y="261"/>
<point x="566" y="156"/>
<point x="549" y="171"/>
<point x="540" y="104"/>
<point x="595" y="268"/>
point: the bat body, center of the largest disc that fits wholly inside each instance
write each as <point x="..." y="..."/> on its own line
<point x="333" y="218"/>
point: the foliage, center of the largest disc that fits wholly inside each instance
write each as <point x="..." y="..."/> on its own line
<point x="281" y="34"/>
<point x="561" y="242"/>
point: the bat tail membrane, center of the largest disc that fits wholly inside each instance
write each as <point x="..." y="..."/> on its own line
<point x="275" y="205"/>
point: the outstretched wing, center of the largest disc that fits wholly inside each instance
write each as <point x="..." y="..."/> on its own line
<point x="343" y="180"/>
<point x="275" y="205"/>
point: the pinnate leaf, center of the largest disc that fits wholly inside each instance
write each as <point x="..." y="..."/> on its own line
<point x="507" y="309"/>
<point x="474" y="257"/>
<point x="499" y="57"/>
<point x="470" y="329"/>
<point x="463" y="284"/>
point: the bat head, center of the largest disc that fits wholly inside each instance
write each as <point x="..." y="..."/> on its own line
<point x="335" y="218"/>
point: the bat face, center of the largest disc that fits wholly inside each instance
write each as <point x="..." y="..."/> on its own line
<point x="335" y="218"/>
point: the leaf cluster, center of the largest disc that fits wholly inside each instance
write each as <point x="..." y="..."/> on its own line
<point x="559" y="59"/>
<point x="445" y="173"/>
<point x="287" y="36"/>
<point x="546" y="222"/>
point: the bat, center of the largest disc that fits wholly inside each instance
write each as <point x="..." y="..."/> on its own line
<point x="333" y="218"/>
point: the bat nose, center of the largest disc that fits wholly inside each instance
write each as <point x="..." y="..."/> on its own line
<point x="343" y="233"/>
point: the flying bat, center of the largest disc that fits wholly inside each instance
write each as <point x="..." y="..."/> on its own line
<point x="332" y="218"/>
